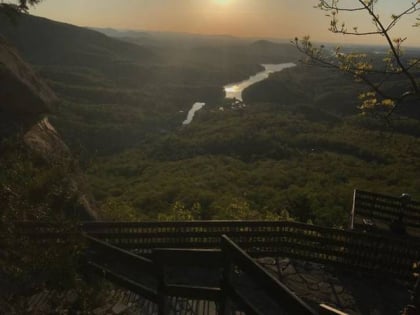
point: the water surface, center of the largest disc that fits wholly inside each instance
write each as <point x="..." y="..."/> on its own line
<point x="195" y="108"/>
<point x="234" y="90"/>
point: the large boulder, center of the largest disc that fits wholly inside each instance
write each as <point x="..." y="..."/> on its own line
<point x="45" y="143"/>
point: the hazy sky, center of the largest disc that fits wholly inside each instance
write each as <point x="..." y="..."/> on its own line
<point x="249" y="18"/>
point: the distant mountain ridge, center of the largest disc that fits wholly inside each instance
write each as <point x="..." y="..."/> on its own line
<point x="46" y="42"/>
<point x="264" y="43"/>
<point x="164" y="34"/>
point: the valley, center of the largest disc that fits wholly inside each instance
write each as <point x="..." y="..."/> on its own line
<point x="296" y="151"/>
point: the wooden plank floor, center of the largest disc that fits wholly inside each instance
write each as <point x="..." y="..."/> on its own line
<point x="348" y="291"/>
<point x="121" y="302"/>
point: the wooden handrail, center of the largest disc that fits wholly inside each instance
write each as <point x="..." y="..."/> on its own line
<point x="272" y="287"/>
<point x="107" y="249"/>
<point x="328" y="310"/>
<point x="123" y="281"/>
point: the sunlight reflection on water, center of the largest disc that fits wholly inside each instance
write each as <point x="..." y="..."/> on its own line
<point x="234" y="90"/>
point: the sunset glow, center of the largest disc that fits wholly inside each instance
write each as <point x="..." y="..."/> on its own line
<point x="223" y="2"/>
<point x="245" y="18"/>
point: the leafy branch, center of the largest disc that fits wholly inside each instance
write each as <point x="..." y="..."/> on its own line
<point x="361" y="65"/>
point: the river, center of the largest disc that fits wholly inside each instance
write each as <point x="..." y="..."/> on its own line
<point x="195" y="108"/>
<point x="234" y="90"/>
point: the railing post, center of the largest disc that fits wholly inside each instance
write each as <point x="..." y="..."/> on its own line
<point x="161" y="289"/>
<point x="162" y="303"/>
<point x="352" y="213"/>
<point x="225" y="303"/>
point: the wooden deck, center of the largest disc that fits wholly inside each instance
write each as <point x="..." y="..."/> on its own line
<point x="120" y="301"/>
<point x="189" y="265"/>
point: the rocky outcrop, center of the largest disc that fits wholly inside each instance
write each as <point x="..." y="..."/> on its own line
<point x="22" y="91"/>
<point x="45" y="143"/>
<point x="25" y="100"/>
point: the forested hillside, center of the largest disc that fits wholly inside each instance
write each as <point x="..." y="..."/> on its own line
<point x="270" y="160"/>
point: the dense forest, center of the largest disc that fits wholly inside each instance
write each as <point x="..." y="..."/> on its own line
<point x="295" y="156"/>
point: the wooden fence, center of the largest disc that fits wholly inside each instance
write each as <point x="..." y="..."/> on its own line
<point x="383" y="255"/>
<point x="382" y="210"/>
<point x="387" y="256"/>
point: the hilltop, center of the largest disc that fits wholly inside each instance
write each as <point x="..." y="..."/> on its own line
<point x="46" y="42"/>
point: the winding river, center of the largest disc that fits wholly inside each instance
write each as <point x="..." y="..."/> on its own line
<point x="195" y="108"/>
<point x="234" y="90"/>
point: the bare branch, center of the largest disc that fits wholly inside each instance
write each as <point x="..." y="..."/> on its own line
<point x="395" y="18"/>
<point x="391" y="45"/>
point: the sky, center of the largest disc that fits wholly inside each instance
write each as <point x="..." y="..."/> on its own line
<point x="245" y="18"/>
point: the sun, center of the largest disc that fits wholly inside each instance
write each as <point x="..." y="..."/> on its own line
<point x="222" y="2"/>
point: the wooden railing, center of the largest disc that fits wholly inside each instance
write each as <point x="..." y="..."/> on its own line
<point x="135" y="273"/>
<point x="385" y="209"/>
<point x="237" y="260"/>
<point x="383" y="255"/>
<point x="149" y="278"/>
<point x="328" y="310"/>
<point x="192" y="286"/>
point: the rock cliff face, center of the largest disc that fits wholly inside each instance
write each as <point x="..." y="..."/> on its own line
<point x="25" y="100"/>
<point x="22" y="91"/>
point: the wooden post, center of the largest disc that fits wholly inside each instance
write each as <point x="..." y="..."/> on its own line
<point x="225" y="303"/>
<point x="415" y="298"/>
<point x="161" y="290"/>
<point x="353" y="208"/>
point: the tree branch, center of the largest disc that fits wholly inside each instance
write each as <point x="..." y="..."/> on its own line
<point x="391" y="45"/>
<point x="366" y="80"/>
